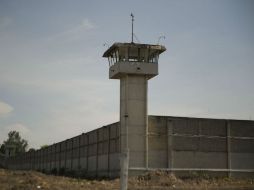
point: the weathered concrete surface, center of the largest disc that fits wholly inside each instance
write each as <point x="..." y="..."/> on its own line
<point x="133" y="113"/>
<point x="219" y="147"/>
<point x="201" y="144"/>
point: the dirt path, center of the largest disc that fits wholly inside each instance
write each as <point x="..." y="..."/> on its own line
<point x="31" y="180"/>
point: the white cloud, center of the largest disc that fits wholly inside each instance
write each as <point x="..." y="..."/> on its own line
<point x="87" y="24"/>
<point x="83" y="26"/>
<point x="5" y="108"/>
<point x="23" y="130"/>
<point x="74" y="33"/>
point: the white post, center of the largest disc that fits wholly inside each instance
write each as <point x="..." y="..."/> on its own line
<point x="124" y="170"/>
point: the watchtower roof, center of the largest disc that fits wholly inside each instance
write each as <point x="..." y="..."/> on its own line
<point x="156" y="48"/>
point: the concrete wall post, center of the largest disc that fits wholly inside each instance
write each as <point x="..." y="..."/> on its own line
<point x="146" y="127"/>
<point x="65" y="153"/>
<point x="72" y="153"/>
<point x="108" y="151"/>
<point x="79" y="144"/>
<point x="50" y="157"/>
<point x="124" y="170"/>
<point x="170" y="143"/>
<point x="60" y="152"/>
<point x="55" y="157"/>
<point x="97" y="150"/>
<point x="87" y="152"/>
<point x="228" y="148"/>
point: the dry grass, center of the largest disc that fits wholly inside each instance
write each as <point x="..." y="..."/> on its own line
<point x="29" y="180"/>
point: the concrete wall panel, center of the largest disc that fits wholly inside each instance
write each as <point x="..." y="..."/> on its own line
<point x="242" y="160"/>
<point x="114" y="160"/>
<point x="84" y="139"/>
<point x="76" y="142"/>
<point x="68" y="164"/>
<point x="84" y="151"/>
<point x="192" y="159"/>
<point x="57" y="165"/>
<point x="53" y="165"/>
<point x="105" y="133"/>
<point x="158" y="159"/>
<point x="69" y="144"/>
<point x="68" y="154"/>
<point x="92" y="163"/>
<point x="100" y="134"/>
<point x="92" y="149"/>
<point x="58" y="146"/>
<point x="242" y="128"/>
<point x="92" y="137"/>
<point x="157" y="125"/>
<point x="113" y="131"/>
<point x="213" y="127"/>
<point x="75" y="164"/>
<point x="113" y="145"/>
<point x="212" y="144"/>
<point x="185" y="143"/>
<point x="102" y="163"/>
<point x="136" y="159"/>
<point x="83" y="163"/>
<point x="242" y="145"/>
<point x="63" y="145"/>
<point x="158" y="142"/>
<point x="185" y="126"/>
<point x="137" y="143"/>
<point x="62" y="163"/>
<point x="75" y="153"/>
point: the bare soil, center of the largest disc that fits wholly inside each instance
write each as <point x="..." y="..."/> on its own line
<point x="31" y="180"/>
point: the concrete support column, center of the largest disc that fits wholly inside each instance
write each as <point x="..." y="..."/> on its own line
<point x="65" y="154"/>
<point x="97" y="151"/>
<point x="79" y="144"/>
<point x="71" y="153"/>
<point x="60" y="152"/>
<point x="228" y="149"/>
<point x="170" y="143"/>
<point x="133" y="119"/>
<point x="87" y="152"/>
<point x="108" y="151"/>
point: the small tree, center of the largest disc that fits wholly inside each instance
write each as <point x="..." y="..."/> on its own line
<point x="31" y="150"/>
<point x="44" y="146"/>
<point x="15" y="140"/>
<point x="2" y="149"/>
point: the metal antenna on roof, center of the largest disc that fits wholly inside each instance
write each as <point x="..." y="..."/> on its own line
<point x="161" y="37"/>
<point x="105" y="44"/>
<point x="132" y="20"/>
<point x="136" y="38"/>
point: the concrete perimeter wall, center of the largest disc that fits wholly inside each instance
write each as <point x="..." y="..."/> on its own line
<point x="178" y="144"/>
<point x="93" y="154"/>
<point x="184" y="145"/>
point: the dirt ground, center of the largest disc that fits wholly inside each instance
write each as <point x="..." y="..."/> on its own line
<point x="29" y="180"/>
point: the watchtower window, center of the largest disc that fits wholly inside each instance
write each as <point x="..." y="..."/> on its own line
<point x="153" y="57"/>
<point x="133" y="54"/>
<point x="113" y="57"/>
<point x="123" y="54"/>
<point x="143" y="55"/>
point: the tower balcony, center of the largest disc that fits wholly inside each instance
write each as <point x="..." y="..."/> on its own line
<point x="119" y="69"/>
<point x="132" y="58"/>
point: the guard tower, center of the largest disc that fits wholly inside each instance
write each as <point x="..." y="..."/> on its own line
<point x="134" y="64"/>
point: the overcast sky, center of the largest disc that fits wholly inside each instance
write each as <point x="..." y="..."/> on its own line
<point x="54" y="82"/>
